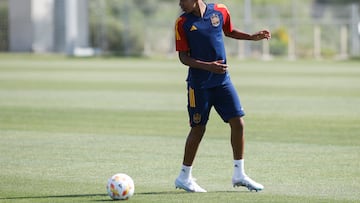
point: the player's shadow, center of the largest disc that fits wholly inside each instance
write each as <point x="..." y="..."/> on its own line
<point x="106" y="198"/>
<point x="177" y="192"/>
<point x="52" y="196"/>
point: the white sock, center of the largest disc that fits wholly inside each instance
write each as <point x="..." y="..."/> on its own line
<point x="185" y="172"/>
<point x="239" y="170"/>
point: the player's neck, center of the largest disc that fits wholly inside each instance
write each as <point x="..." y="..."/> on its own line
<point x="200" y="10"/>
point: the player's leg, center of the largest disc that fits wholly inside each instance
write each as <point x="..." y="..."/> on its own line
<point x="185" y="180"/>
<point x="192" y="144"/>
<point x="238" y="143"/>
<point x="229" y="108"/>
<point x="237" y="137"/>
<point x="199" y="109"/>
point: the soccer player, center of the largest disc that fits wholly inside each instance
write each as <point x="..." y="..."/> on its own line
<point x="199" y="42"/>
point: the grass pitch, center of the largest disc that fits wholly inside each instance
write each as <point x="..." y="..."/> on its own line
<point x="67" y="125"/>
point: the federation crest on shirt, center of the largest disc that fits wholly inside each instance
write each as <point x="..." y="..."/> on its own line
<point x="215" y="20"/>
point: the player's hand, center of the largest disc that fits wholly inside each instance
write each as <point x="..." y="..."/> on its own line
<point x="218" y="67"/>
<point x="263" y="34"/>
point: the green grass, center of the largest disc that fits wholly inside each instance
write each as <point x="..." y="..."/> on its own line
<point x="67" y="125"/>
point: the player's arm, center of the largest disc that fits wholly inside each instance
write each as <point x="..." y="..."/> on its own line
<point x="214" y="66"/>
<point x="232" y="32"/>
<point x="237" y="34"/>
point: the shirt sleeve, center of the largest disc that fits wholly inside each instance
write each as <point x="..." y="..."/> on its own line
<point x="180" y="37"/>
<point x="227" y="25"/>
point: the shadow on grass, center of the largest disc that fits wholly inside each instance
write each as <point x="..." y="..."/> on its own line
<point x="105" y="195"/>
<point x="52" y="196"/>
<point x="184" y="192"/>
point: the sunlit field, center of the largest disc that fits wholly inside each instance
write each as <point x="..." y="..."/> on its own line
<point x="68" y="124"/>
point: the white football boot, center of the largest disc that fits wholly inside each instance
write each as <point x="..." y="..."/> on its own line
<point x="247" y="182"/>
<point x="188" y="185"/>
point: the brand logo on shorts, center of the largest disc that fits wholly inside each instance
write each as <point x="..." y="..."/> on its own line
<point x="215" y="20"/>
<point x="197" y="118"/>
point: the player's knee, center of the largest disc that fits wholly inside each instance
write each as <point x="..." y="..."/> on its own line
<point x="198" y="130"/>
<point x="237" y="123"/>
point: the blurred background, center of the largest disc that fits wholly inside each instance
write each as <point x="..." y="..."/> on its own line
<point x="300" y="29"/>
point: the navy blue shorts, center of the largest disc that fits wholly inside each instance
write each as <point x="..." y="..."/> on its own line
<point x="223" y="98"/>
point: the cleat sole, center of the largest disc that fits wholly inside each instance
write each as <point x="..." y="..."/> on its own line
<point x="247" y="186"/>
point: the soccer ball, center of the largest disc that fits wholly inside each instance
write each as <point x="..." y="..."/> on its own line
<point x="120" y="187"/>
